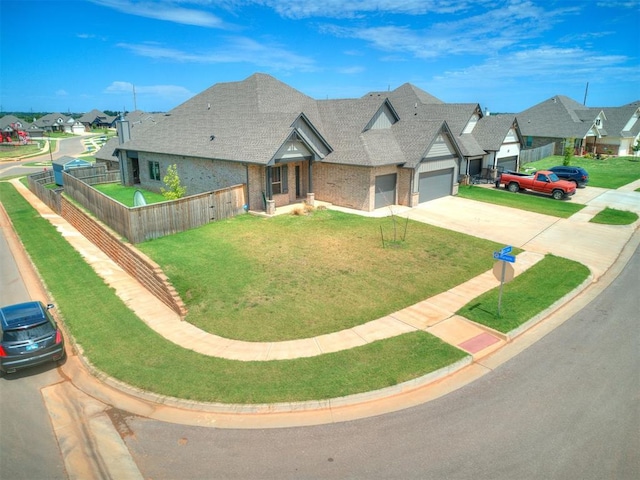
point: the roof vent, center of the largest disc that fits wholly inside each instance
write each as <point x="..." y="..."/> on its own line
<point x="211" y="138"/>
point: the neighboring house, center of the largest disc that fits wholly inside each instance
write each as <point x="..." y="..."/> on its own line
<point x="562" y="120"/>
<point x="66" y="163"/>
<point x="137" y="120"/>
<point x="382" y="149"/>
<point x="622" y="127"/>
<point x="56" y="122"/>
<point x="10" y="125"/>
<point x="97" y="119"/>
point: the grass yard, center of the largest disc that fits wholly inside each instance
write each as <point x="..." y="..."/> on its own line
<point x="293" y="277"/>
<point x="11" y="151"/>
<point x="118" y="343"/>
<point x="612" y="172"/>
<point x="532" y="203"/>
<point x="527" y="294"/>
<point x="612" y="216"/>
<point x="124" y="194"/>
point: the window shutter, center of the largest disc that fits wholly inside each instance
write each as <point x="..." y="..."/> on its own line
<point x="285" y="179"/>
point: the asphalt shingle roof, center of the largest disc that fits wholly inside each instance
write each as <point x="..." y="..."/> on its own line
<point x="557" y="117"/>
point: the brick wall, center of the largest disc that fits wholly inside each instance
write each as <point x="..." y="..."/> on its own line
<point x="344" y="185"/>
<point x="134" y="262"/>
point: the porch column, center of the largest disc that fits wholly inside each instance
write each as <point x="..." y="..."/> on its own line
<point x="310" y="176"/>
<point x="311" y="197"/>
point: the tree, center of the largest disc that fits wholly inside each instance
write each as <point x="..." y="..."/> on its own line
<point x="174" y="189"/>
<point x="568" y="152"/>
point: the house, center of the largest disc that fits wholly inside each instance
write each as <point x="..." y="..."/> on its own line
<point x="56" y="122"/>
<point x="65" y="163"/>
<point x="97" y="119"/>
<point x="10" y="126"/>
<point x="562" y="120"/>
<point x="622" y="127"/>
<point x="137" y="120"/>
<point x="401" y="147"/>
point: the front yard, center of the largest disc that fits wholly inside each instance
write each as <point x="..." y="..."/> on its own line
<point x="292" y="277"/>
<point x="611" y="172"/>
<point x="119" y="344"/>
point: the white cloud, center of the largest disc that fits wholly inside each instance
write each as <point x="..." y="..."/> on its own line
<point x="351" y="70"/>
<point x="62" y="93"/>
<point x="165" y="91"/>
<point x="164" y="10"/>
<point x="492" y="30"/>
<point x="236" y="50"/>
<point x="297" y="9"/>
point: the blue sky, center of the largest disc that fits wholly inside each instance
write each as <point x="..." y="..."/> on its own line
<point x="506" y="55"/>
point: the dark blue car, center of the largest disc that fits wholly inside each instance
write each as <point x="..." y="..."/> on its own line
<point x="577" y="175"/>
<point x="28" y="336"/>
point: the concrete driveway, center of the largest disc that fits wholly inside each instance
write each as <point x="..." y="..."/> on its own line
<point x="594" y="245"/>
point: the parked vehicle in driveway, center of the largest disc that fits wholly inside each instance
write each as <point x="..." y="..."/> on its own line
<point x="577" y="175"/>
<point x="542" y="181"/>
<point x="28" y="336"/>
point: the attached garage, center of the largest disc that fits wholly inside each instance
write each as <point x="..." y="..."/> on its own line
<point x="432" y="185"/>
<point x="508" y="163"/>
<point x="385" y="190"/>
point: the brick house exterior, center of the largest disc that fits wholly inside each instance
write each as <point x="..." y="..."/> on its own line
<point x="399" y="147"/>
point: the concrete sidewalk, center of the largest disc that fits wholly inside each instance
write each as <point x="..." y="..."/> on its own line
<point x="536" y="234"/>
<point x="435" y="315"/>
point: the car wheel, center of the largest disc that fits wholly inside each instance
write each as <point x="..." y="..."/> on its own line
<point x="513" y="187"/>
<point x="575" y="183"/>
<point x="558" y="194"/>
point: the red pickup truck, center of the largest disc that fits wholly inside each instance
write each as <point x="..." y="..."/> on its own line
<point x="543" y="181"/>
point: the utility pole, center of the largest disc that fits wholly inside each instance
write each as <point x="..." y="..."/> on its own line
<point x="135" y="105"/>
<point x="584" y="102"/>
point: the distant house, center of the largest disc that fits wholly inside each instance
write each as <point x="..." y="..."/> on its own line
<point x="401" y="147"/>
<point x="97" y="119"/>
<point x="561" y="120"/>
<point x="622" y="127"/>
<point x="65" y="163"/>
<point x="136" y="121"/>
<point x="15" y="129"/>
<point x="56" y="122"/>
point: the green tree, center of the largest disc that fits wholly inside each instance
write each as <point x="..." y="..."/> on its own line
<point x="568" y="152"/>
<point x="174" y="189"/>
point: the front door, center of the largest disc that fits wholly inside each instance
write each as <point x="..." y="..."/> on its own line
<point x="136" y="170"/>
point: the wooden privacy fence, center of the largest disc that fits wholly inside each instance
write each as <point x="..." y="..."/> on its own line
<point x="138" y="224"/>
<point x="535" y="154"/>
<point x="51" y="197"/>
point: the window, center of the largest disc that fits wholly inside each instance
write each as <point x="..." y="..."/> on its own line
<point x="529" y="141"/>
<point x="154" y="171"/>
<point x="279" y="180"/>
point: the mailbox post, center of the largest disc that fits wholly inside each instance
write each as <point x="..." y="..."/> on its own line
<point x="505" y="268"/>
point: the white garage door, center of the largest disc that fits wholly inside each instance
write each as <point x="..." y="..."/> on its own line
<point x="436" y="184"/>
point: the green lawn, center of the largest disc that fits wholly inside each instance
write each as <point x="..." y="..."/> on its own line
<point x="612" y="172"/>
<point x="118" y="343"/>
<point x="611" y="216"/>
<point x="121" y="345"/>
<point x="10" y="151"/>
<point x="292" y="277"/>
<point x="533" y="203"/>
<point x="527" y="294"/>
<point x="125" y="194"/>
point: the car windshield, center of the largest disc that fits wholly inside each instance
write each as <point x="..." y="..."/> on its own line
<point x="553" y="177"/>
<point x="26" y="334"/>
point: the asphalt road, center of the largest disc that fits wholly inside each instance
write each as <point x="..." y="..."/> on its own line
<point x="565" y="408"/>
<point x="71" y="146"/>
<point x="28" y="446"/>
